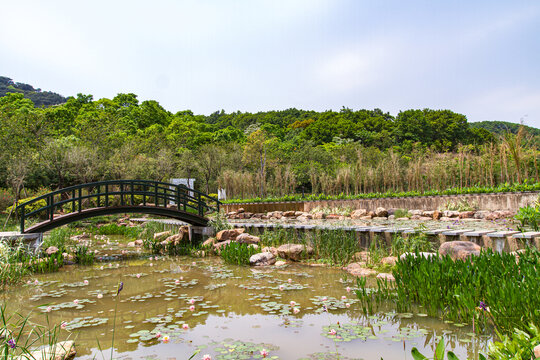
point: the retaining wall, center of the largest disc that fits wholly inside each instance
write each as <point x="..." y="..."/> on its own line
<point x="492" y="202"/>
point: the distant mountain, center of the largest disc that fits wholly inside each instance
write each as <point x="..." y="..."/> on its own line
<point x="500" y="127"/>
<point x="38" y="97"/>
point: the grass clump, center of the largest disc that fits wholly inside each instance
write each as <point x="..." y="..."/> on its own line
<point x="238" y="254"/>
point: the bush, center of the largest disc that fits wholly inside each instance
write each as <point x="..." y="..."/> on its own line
<point x="529" y="216"/>
<point x="6" y="198"/>
<point x="32" y="207"/>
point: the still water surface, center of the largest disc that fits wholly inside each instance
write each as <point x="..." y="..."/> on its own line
<point x="235" y="313"/>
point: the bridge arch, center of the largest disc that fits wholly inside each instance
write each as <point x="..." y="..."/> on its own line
<point x="84" y="201"/>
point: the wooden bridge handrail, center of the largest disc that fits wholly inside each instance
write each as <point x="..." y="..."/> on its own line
<point x="158" y="190"/>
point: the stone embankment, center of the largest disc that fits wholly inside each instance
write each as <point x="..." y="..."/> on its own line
<point x="379" y="213"/>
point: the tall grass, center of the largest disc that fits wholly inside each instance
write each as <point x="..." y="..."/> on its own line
<point x="238" y="254"/>
<point x="488" y="290"/>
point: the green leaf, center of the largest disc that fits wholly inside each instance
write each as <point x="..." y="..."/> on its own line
<point x="439" y="351"/>
<point x="416" y="354"/>
<point x="452" y="356"/>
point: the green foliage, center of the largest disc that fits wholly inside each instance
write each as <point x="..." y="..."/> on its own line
<point x="83" y="255"/>
<point x="529" y="216"/>
<point x="219" y="222"/>
<point x="32" y="207"/>
<point x="463" y="290"/>
<point x="115" y="229"/>
<point x="460" y="205"/>
<point x="439" y="353"/>
<point x="59" y="237"/>
<point x="336" y="247"/>
<point x="400" y="213"/>
<point x="238" y="254"/>
<point x="519" y="345"/>
<point x="391" y="194"/>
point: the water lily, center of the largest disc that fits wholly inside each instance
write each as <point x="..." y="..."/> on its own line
<point x="192" y="301"/>
<point x="293" y="302"/>
<point x="28" y="282"/>
<point x="48" y="309"/>
<point x="281" y="287"/>
<point x="332" y="332"/>
<point x="264" y="353"/>
<point x="85" y="282"/>
<point x="36" y="282"/>
<point x="76" y="301"/>
<point x="177" y="281"/>
<point x="347" y="305"/>
<point x="185" y="326"/>
<point x="343" y="297"/>
<point x="324" y="298"/>
<point x="138" y="276"/>
<point x="206" y="357"/>
<point x="192" y="308"/>
<point x="165" y="339"/>
<point x="101" y="267"/>
<point x="181" y="278"/>
<point x="289" y="281"/>
<point x="151" y="264"/>
<point x="296" y="310"/>
<point x="63" y="325"/>
<point x="348" y="289"/>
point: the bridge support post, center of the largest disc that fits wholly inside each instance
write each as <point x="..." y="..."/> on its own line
<point x="200" y="233"/>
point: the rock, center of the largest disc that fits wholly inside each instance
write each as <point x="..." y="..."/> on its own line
<point x="280" y="263"/>
<point x="437" y="215"/>
<point x="459" y="249"/>
<point x="299" y="213"/>
<point x="318" y="216"/>
<point x="246" y="238"/>
<point x="444" y="218"/>
<point x="492" y="216"/>
<point x="131" y="244"/>
<point x="428" y="213"/>
<point x="289" y="213"/>
<point x="334" y="217"/>
<point x="139" y="242"/>
<point x="424" y="218"/>
<point x="381" y="212"/>
<point x="302" y="218"/>
<point x="389" y="260"/>
<point x="230" y="234"/>
<point x="386" y="276"/>
<point x="176" y="238"/>
<point x="276" y="214"/>
<point x="537" y="351"/>
<point x="262" y="259"/>
<point x="416" y="212"/>
<point x="481" y="214"/>
<point x="391" y="217"/>
<point x="239" y="211"/>
<point x="451" y="213"/>
<point x="231" y="213"/>
<point x="209" y="242"/>
<point x="51" y="250"/>
<point x="361" y="256"/>
<point x="367" y="217"/>
<point x="371" y="214"/>
<point x="294" y="252"/>
<point x="80" y="237"/>
<point x="218" y="246"/>
<point x="401" y="219"/>
<point x="358" y="213"/>
<point x="64" y="350"/>
<point x="427" y="255"/>
<point x="415" y="217"/>
<point x="270" y="249"/>
<point x="357" y="269"/>
<point x="162" y="235"/>
<point x="466" y="214"/>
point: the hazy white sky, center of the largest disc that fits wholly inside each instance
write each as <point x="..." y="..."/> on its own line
<point x="478" y="58"/>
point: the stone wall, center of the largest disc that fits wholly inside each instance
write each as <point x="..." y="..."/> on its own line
<point x="492" y="202"/>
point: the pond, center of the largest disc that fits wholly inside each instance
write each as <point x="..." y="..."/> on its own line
<point x="171" y="307"/>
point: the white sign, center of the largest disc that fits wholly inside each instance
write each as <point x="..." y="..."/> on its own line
<point x="190" y="183"/>
<point x="222" y="194"/>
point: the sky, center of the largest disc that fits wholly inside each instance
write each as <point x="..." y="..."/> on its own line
<point x="477" y="58"/>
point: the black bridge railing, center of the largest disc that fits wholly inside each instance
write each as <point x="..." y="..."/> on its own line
<point x="117" y="194"/>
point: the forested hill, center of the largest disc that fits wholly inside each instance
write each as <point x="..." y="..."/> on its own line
<point x="501" y="127"/>
<point x="38" y="97"/>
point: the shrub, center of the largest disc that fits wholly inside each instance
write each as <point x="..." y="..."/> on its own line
<point x="6" y="198"/>
<point x="529" y="216"/>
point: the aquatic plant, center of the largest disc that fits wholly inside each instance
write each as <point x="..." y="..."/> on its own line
<point x="440" y="353"/>
<point x="463" y="291"/>
<point x="59" y="237"/>
<point x="236" y="253"/>
<point x="336" y="246"/>
<point x="519" y="345"/>
<point x="529" y="216"/>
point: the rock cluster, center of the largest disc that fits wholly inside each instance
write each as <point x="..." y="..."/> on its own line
<point x="381" y="213"/>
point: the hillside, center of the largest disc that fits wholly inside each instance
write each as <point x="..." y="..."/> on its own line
<point x="500" y="127"/>
<point x="38" y="97"/>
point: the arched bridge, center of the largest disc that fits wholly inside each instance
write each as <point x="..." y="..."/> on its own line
<point x="79" y="202"/>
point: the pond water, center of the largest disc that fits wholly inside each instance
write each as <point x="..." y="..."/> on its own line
<point x="229" y="312"/>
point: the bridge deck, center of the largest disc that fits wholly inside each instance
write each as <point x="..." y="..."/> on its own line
<point x="59" y="220"/>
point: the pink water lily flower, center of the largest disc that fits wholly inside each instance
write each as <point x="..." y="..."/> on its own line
<point x="296" y="310"/>
<point x="348" y="305"/>
<point x="36" y="282"/>
<point x="264" y="353"/>
<point x="85" y="282"/>
<point x="177" y="281"/>
<point x="192" y="308"/>
<point x="138" y="276"/>
<point x="343" y="297"/>
<point x="293" y="302"/>
<point x="99" y="296"/>
<point x="185" y="326"/>
<point x="48" y="309"/>
<point x="281" y="287"/>
<point x="63" y="325"/>
<point x="348" y="289"/>
<point x="165" y="339"/>
<point x="206" y="357"/>
<point x="192" y="301"/>
<point x="289" y="281"/>
<point x="332" y="332"/>
<point x="76" y="301"/>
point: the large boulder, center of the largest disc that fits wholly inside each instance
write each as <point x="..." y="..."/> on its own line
<point x="289" y="213"/>
<point x="389" y="260"/>
<point x="319" y="216"/>
<point x="51" y="250"/>
<point x="294" y="252"/>
<point x="271" y="249"/>
<point x="230" y="234"/>
<point x="381" y="212"/>
<point x="358" y="213"/>
<point x="459" y="249"/>
<point x="262" y="259"/>
<point x="537" y="351"/>
<point x="358" y="269"/>
<point x="246" y="238"/>
<point x="209" y="242"/>
<point x="220" y="245"/>
<point x="64" y="350"/>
